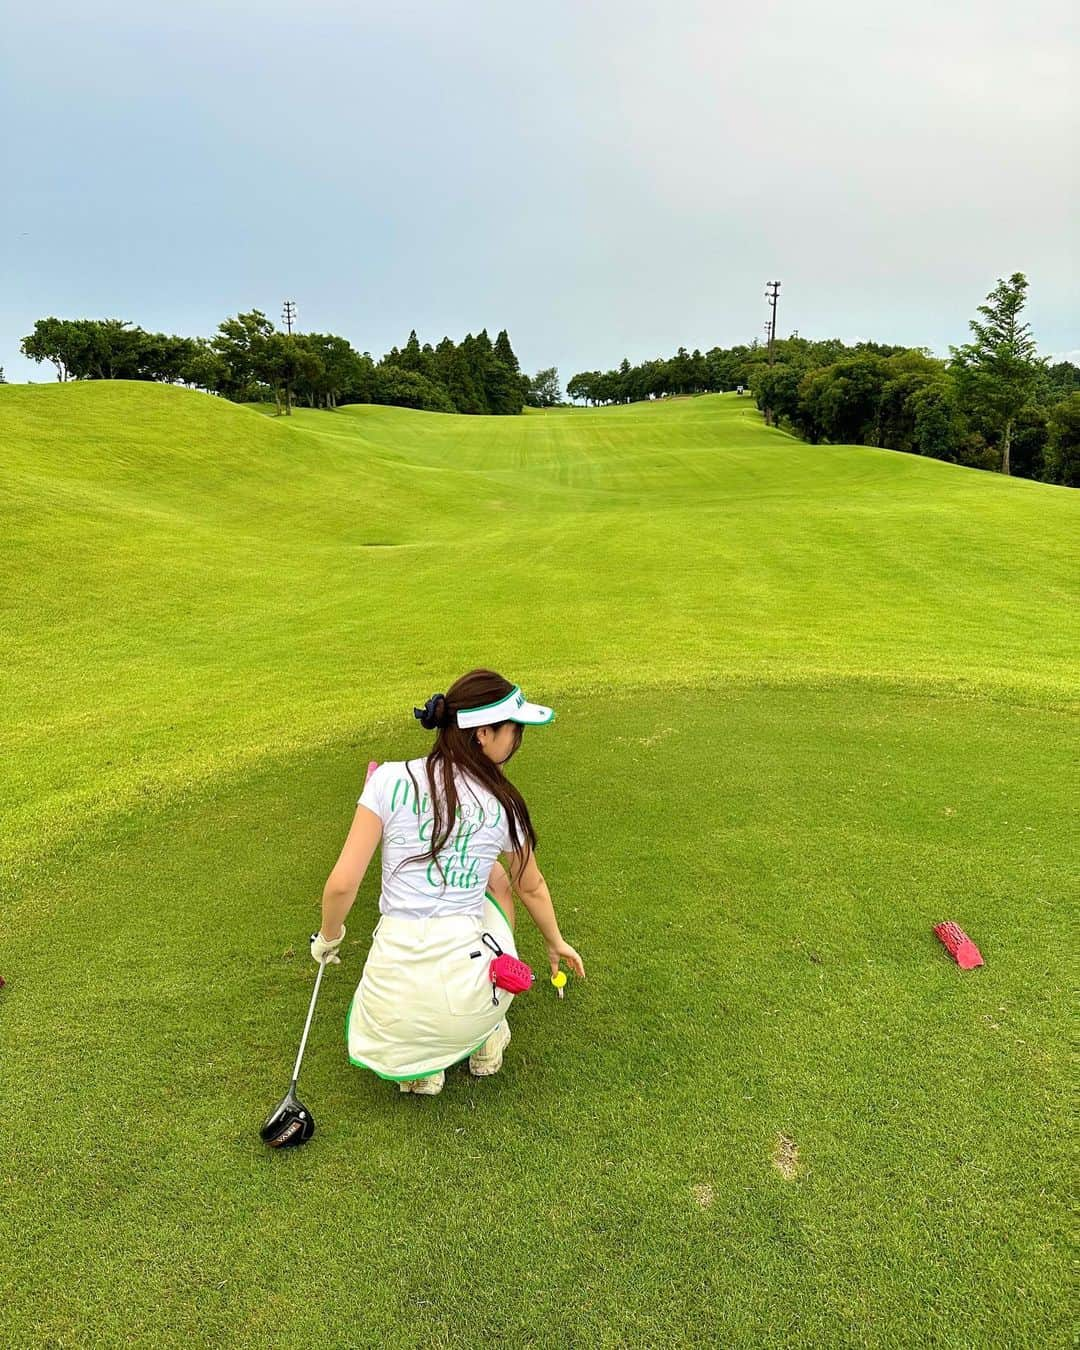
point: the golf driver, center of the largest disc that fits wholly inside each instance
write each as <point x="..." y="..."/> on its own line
<point x="290" y="1122"/>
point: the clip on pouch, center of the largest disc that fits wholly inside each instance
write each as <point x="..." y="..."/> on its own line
<point x="506" y="971"/>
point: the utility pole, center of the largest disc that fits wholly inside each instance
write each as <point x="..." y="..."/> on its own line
<point x="771" y="295"/>
<point x="768" y="331"/>
<point x="289" y="315"/>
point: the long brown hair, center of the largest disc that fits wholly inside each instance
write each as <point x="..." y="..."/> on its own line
<point x="458" y="748"/>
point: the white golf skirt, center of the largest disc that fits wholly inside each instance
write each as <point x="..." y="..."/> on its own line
<point x="424" y="1001"/>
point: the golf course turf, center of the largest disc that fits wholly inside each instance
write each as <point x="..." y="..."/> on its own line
<point x="811" y="700"/>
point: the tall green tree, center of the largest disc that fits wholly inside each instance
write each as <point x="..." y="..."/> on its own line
<point x="776" y="391"/>
<point x="936" y="422"/>
<point x="1062" y="454"/>
<point x="115" y="347"/>
<point x="843" y="399"/>
<point x="284" y="363"/>
<point x="48" y="342"/>
<point x="410" y="357"/>
<point x="204" y="368"/>
<point x="998" y="372"/>
<point x="455" y="375"/>
<point x="406" y="389"/>
<point x="241" y="345"/>
<point x="336" y="362"/>
<point x="88" y="349"/>
<point x="544" y="389"/>
<point x="480" y="353"/>
<point x="505" y="353"/>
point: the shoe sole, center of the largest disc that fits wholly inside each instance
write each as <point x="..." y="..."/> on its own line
<point x="487" y="1070"/>
<point x="413" y="1085"/>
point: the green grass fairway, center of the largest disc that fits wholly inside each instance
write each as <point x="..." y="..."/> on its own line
<point x="811" y="700"/>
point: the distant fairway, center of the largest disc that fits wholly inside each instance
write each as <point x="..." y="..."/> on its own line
<point x="810" y="701"/>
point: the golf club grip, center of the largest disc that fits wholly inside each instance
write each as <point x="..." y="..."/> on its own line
<point x="307" y="1024"/>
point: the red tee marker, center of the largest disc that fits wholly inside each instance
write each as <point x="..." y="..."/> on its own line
<point x="959" y="945"/>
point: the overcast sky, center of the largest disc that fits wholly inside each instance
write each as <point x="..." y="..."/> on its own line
<point x="603" y="179"/>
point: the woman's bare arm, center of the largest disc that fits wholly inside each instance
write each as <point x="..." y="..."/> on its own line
<point x="339" y="893"/>
<point x="535" y="896"/>
<point x="532" y="888"/>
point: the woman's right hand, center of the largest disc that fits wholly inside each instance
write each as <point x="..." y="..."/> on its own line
<point x="562" y="951"/>
<point x="326" y="949"/>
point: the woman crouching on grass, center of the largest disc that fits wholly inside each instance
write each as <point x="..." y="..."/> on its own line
<point x="425" y="999"/>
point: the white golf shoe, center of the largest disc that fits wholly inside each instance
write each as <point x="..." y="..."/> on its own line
<point x="488" y="1059"/>
<point x="425" y="1087"/>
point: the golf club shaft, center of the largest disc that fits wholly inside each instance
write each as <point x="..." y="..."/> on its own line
<point x="307" y="1024"/>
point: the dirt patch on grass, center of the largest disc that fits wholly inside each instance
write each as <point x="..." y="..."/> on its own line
<point x="703" y="1194"/>
<point x="785" y="1157"/>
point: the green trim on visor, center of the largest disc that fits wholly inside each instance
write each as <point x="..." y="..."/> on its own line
<point x="483" y="707"/>
<point x="522" y="723"/>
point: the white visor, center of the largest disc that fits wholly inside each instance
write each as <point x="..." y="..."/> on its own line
<point x="515" y="707"/>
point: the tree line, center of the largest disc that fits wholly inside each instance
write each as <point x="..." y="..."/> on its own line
<point x="248" y="361"/>
<point x="993" y="404"/>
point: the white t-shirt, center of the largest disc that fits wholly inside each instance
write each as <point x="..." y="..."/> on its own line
<point x="482" y="832"/>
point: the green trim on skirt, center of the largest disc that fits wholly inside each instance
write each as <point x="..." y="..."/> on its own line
<point x="414" y="1077"/>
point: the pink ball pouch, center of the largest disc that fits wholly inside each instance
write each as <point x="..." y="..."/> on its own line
<point x="507" y="972"/>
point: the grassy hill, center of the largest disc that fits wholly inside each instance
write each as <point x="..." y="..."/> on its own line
<point x="810" y="701"/>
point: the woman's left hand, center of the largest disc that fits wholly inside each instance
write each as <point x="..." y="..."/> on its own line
<point x="322" y="947"/>
<point x="561" y="950"/>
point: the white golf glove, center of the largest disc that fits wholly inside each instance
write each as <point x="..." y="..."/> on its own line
<point x="321" y="947"/>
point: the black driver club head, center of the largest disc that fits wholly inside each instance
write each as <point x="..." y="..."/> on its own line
<point x="290" y="1123"/>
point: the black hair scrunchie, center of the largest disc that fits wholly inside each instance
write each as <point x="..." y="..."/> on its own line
<point x="428" y="717"/>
